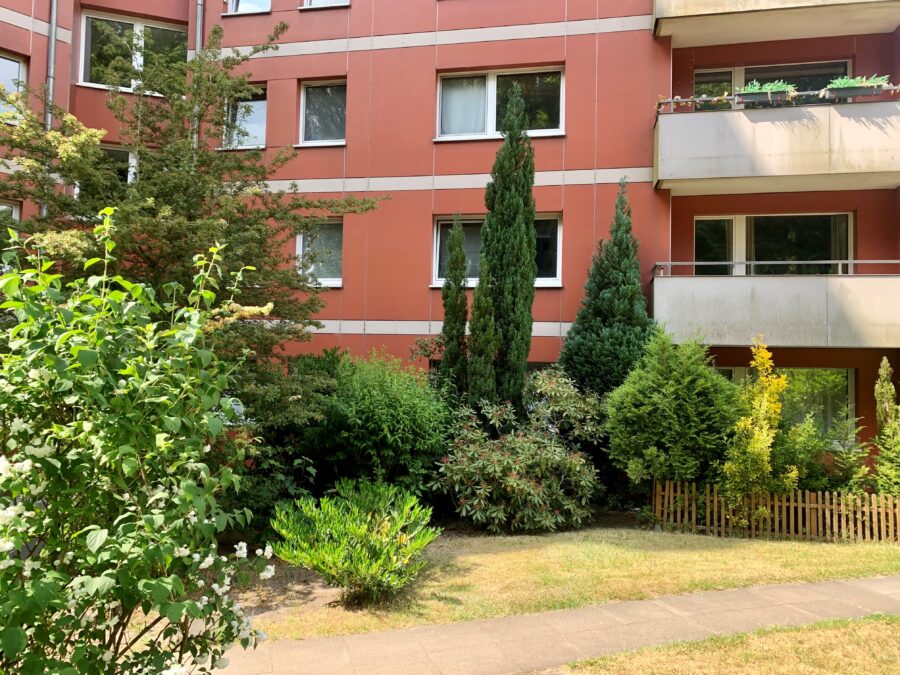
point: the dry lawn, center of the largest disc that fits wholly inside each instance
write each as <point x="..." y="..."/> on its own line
<point x="858" y="646"/>
<point x="479" y="576"/>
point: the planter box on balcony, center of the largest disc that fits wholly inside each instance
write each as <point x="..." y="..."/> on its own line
<point x="852" y="92"/>
<point x="765" y="97"/>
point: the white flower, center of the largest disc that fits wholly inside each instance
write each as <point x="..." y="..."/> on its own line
<point x="9" y="562"/>
<point x="5" y="467"/>
<point x="202" y="659"/>
<point x="6" y="546"/>
<point x="261" y="636"/>
<point x="210" y="559"/>
<point x="267" y="573"/>
<point x="181" y="552"/>
<point x="192" y="516"/>
<point x="24" y="466"/>
<point x="259" y="552"/>
<point x="207" y="448"/>
<point x="30" y="565"/>
<point x="107" y="656"/>
<point x="221" y="663"/>
<point x="268" y="552"/>
<point x="176" y="669"/>
<point x="17" y="425"/>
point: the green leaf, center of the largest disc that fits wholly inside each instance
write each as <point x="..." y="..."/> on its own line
<point x="172" y="424"/>
<point x="92" y="261"/>
<point x="99" y="585"/>
<point x="96" y="539"/>
<point x="130" y="466"/>
<point x="12" y="641"/>
<point x="87" y="357"/>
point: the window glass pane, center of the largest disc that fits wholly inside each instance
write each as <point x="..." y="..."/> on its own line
<point x="109" y="185"/>
<point x="463" y="105"/>
<point x="797" y="238"/>
<point x="713" y="84"/>
<point x="327" y="247"/>
<point x="10" y="74"/>
<point x="805" y="76"/>
<point x="547" y="239"/>
<point x="471" y="245"/>
<point x="541" y="92"/>
<point x="8" y="212"/>
<point x="823" y="393"/>
<point x="325" y="116"/>
<point x="108" y="52"/>
<point x="241" y="6"/>
<point x="547" y="233"/>
<point x="249" y="121"/>
<point x="163" y="47"/>
<point x="712" y="243"/>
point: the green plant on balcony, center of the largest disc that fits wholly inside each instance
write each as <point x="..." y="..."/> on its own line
<point x="777" y="91"/>
<point x="861" y="85"/>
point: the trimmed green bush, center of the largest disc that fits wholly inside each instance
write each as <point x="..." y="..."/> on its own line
<point x="367" y="539"/>
<point x="522" y="481"/>
<point x="383" y="421"/>
<point x="673" y="415"/>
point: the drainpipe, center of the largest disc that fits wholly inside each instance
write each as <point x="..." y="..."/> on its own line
<point x="198" y="43"/>
<point x="51" y="64"/>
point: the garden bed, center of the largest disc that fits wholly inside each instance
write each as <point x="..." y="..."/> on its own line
<point x="479" y="576"/>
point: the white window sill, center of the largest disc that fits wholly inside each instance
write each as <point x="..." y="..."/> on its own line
<point x="106" y="87"/>
<point x="239" y="148"/>
<point x="472" y="283"/>
<point x="227" y="15"/>
<point x="305" y="8"/>
<point x="555" y="133"/>
<point x="321" y="144"/>
<point x="329" y="283"/>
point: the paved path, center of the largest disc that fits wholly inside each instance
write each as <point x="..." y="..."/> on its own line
<point x="534" y="642"/>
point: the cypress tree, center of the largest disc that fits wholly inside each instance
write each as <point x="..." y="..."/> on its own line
<point x="508" y="246"/>
<point x="612" y="325"/>
<point x="453" y="335"/>
<point x="483" y="342"/>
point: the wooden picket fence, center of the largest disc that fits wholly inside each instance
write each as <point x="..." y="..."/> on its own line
<point x="798" y="515"/>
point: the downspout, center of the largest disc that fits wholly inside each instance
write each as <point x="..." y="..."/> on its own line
<point x="51" y="64"/>
<point x="198" y="44"/>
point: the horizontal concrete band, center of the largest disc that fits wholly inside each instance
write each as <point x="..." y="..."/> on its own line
<point x="20" y="20"/>
<point x="461" y="181"/>
<point x="345" y="327"/>
<point x="460" y="36"/>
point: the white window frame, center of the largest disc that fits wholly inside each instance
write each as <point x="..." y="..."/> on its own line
<point x="324" y="282"/>
<point x="739" y="236"/>
<point x="265" y="95"/>
<point x="738" y="74"/>
<point x="327" y="4"/>
<point x="335" y="143"/>
<point x="16" y="209"/>
<point x="542" y="282"/>
<point x="23" y="74"/>
<point x="230" y="11"/>
<point x="132" y="160"/>
<point x="138" y="59"/>
<point x="490" y="126"/>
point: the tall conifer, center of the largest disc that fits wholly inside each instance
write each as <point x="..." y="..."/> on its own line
<point x="612" y="324"/>
<point x="454" y="362"/>
<point x="483" y="342"/>
<point x="508" y="247"/>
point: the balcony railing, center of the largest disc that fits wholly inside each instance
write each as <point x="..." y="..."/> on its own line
<point x="845" y="146"/>
<point x="852" y="305"/>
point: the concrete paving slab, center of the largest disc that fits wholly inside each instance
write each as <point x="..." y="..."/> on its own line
<point x="540" y="642"/>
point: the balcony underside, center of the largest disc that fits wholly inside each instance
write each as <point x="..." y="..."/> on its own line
<point x="698" y="23"/>
<point x="789" y="311"/>
<point x="852" y="146"/>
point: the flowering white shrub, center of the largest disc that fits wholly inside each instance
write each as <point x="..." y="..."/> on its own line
<point x="109" y="401"/>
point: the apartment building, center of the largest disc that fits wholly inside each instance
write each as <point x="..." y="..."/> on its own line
<point x="779" y="218"/>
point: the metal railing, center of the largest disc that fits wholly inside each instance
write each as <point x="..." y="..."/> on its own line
<point x="778" y="98"/>
<point x="747" y="267"/>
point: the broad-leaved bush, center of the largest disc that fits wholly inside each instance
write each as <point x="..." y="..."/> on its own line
<point x="110" y="401"/>
<point x="367" y="539"/>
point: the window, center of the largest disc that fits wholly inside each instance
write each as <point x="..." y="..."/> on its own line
<point x="795" y="239"/>
<point x="804" y="76"/>
<point x="100" y="191"/>
<point x="713" y="243"/>
<point x="800" y="239"/>
<point x="547" y="231"/>
<point x="474" y="105"/>
<point x="9" y="212"/>
<point x="114" y="51"/>
<point x="825" y="394"/>
<point x="12" y="77"/>
<point x="321" y="253"/>
<point x="324" y="115"/>
<point x="248" y="6"/>
<point x="246" y="125"/>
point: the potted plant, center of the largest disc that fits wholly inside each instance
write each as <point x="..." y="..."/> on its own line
<point x="846" y="87"/>
<point x="778" y="91"/>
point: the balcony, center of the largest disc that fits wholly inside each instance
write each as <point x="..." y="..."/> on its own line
<point x="847" y="146"/>
<point x="697" y="23"/>
<point x="849" y="310"/>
